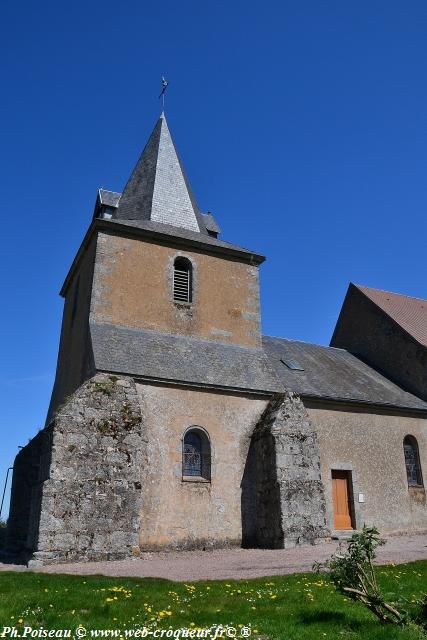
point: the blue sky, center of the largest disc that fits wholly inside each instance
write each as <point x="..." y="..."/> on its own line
<point x="302" y="126"/>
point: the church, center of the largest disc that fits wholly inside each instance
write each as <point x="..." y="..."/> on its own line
<point x="175" y="424"/>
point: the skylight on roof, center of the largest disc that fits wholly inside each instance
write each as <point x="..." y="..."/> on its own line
<point x="291" y="363"/>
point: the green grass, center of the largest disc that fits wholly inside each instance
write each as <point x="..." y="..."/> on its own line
<point x="284" y="608"/>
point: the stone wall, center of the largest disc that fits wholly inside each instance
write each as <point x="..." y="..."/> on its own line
<point x="368" y="444"/>
<point x="104" y="480"/>
<point x="30" y="470"/>
<point x="133" y="287"/>
<point x="178" y="513"/>
<point x="368" y="332"/>
<point x="282" y="486"/>
<point x="89" y="504"/>
<point x="75" y="356"/>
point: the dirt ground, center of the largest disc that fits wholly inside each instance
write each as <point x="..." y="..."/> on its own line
<point x="232" y="563"/>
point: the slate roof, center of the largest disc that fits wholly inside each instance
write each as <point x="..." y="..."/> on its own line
<point x="335" y="374"/>
<point x="160" y="356"/>
<point x="109" y="198"/>
<point x="410" y="313"/>
<point x="328" y="373"/>
<point x="210" y="223"/>
<point x="158" y="188"/>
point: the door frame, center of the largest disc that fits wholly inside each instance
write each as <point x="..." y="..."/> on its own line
<point x="347" y="476"/>
<point x="355" y="507"/>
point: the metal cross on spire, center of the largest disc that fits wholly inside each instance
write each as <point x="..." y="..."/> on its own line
<point x="165" y="85"/>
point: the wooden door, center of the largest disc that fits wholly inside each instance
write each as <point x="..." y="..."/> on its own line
<point x="341" y="499"/>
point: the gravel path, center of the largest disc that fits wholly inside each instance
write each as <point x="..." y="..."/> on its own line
<point x="232" y="563"/>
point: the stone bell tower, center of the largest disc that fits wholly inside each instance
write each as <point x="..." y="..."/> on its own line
<point x="122" y="276"/>
<point x="160" y="349"/>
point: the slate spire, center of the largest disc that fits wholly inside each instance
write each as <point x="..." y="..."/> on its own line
<point x="158" y="188"/>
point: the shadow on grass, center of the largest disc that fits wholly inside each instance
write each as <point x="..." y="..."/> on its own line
<point x="314" y="617"/>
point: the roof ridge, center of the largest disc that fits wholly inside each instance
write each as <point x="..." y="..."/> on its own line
<point x="393" y="293"/>
<point x="315" y="344"/>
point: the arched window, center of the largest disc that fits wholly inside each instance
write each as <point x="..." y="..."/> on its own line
<point x="182" y="280"/>
<point x="196" y="454"/>
<point x="412" y="461"/>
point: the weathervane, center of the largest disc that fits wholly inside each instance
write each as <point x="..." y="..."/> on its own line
<point x="165" y="85"/>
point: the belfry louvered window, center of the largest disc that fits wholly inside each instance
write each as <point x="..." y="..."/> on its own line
<point x="182" y="280"/>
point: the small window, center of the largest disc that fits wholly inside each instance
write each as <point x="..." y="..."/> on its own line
<point x="182" y="280"/>
<point x="412" y="462"/>
<point x="196" y="454"/>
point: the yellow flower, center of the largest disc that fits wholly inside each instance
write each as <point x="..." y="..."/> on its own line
<point x="20" y="621"/>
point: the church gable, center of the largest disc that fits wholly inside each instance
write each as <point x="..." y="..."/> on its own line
<point x="387" y="330"/>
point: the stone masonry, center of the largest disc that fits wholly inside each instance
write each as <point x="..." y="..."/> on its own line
<point x="140" y="375"/>
<point x="283" y="489"/>
<point x="88" y="505"/>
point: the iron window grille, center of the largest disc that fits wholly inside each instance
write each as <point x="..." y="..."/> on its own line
<point x="412" y="462"/>
<point x="196" y="456"/>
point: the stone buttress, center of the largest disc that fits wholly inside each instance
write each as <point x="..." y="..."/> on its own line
<point x="85" y="503"/>
<point x="283" y="501"/>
